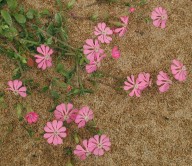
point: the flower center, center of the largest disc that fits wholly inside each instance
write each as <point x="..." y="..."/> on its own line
<point x="56" y="133"/>
<point x="100" y="146"/>
<point x="103" y="33"/>
<point x="86" y="118"/>
<point x="66" y="117"/>
<point x="16" y="92"/>
<point x="88" y="153"/>
<point x="136" y="86"/>
<point x="96" y="49"/>
<point x="163" y="17"/>
<point x="47" y="57"/>
<point x="184" y="68"/>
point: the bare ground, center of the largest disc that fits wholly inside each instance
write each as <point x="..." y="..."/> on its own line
<point x="154" y="130"/>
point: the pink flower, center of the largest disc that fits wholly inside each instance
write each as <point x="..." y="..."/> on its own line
<point x="98" y="144"/>
<point x="31" y="117"/>
<point x="178" y="70"/>
<point x="65" y="112"/>
<point x="116" y="53"/>
<point x="45" y="60"/>
<point x="145" y="80"/>
<point x="131" y="9"/>
<point x="84" y="115"/>
<point x="102" y="31"/>
<point x="54" y="132"/>
<point x="135" y="86"/>
<point x="94" y="63"/>
<point x="82" y="152"/>
<point x="159" y="17"/>
<point x="17" y="88"/>
<point x="163" y="81"/>
<point x="123" y="30"/>
<point x="91" y="48"/>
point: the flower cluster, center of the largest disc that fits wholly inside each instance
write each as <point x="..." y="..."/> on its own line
<point x="62" y="113"/>
<point x="92" y="49"/>
<point x="96" y="145"/>
<point x="136" y="86"/>
<point x="55" y="131"/>
<point x="179" y="72"/>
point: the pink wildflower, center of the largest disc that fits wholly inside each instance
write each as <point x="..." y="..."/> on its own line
<point x="178" y="70"/>
<point x="82" y="152"/>
<point x="131" y="9"/>
<point x="98" y="144"/>
<point x="45" y="60"/>
<point x="102" y="31"/>
<point x="17" y="88"/>
<point x="116" y="53"/>
<point x="54" y="132"/>
<point x="84" y="115"/>
<point x="145" y="79"/>
<point x="65" y="112"/>
<point x="94" y="63"/>
<point x="123" y="30"/>
<point x="159" y="17"/>
<point x="31" y="117"/>
<point x="91" y="48"/>
<point x="163" y="81"/>
<point x="135" y="86"/>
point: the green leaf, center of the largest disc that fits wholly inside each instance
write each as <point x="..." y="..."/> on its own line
<point x="20" y="18"/>
<point x="19" y="110"/>
<point x="51" y="110"/>
<point x="10" y="33"/>
<point x="12" y="4"/>
<point x="45" y="12"/>
<point x="30" y="14"/>
<point x="58" y="19"/>
<point x="94" y="17"/>
<point x="69" y="164"/>
<point x="76" y="138"/>
<point x="49" y="41"/>
<point x="55" y="95"/>
<point x="60" y="68"/>
<point x="44" y="89"/>
<point x="70" y="4"/>
<point x="7" y="17"/>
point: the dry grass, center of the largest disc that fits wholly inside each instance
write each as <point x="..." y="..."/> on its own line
<point x="154" y="130"/>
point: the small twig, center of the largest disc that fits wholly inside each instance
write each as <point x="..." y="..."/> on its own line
<point x="56" y="39"/>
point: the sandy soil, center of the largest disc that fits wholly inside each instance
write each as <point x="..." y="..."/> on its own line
<point x="154" y="130"/>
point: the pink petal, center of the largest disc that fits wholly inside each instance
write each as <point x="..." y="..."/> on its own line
<point x="10" y="83"/>
<point x="23" y="94"/>
<point x="47" y="135"/>
<point x="50" y="139"/>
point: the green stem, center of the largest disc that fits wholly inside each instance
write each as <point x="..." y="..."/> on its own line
<point x="56" y="39"/>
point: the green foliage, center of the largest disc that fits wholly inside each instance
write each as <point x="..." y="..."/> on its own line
<point x="30" y="14"/>
<point x="7" y="17"/>
<point x="71" y="4"/>
<point x="55" y="95"/>
<point x="142" y="2"/>
<point x="12" y="4"/>
<point x="19" y="109"/>
<point x="58" y="20"/>
<point x="20" y="18"/>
